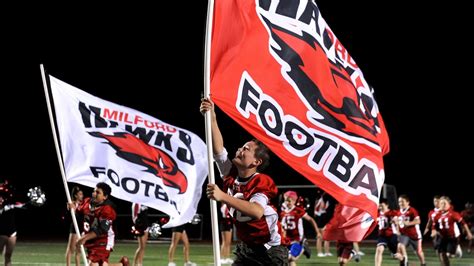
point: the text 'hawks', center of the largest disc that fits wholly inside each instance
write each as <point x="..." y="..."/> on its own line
<point x="95" y="117"/>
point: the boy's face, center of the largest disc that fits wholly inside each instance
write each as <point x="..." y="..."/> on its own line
<point x="444" y="205"/>
<point x="436" y="203"/>
<point x="79" y="195"/>
<point x="383" y="207"/>
<point x="403" y="203"/>
<point x="245" y="155"/>
<point x="98" y="196"/>
<point x="290" y="201"/>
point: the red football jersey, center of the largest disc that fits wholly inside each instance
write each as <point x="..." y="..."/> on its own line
<point x="265" y="230"/>
<point x="445" y="223"/>
<point x="93" y="216"/>
<point x="432" y="214"/>
<point x="386" y="227"/>
<point x="409" y="215"/>
<point x="468" y="217"/>
<point x="292" y="224"/>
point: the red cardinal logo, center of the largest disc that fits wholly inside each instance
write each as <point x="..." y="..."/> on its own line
<point x="155" y="160"/>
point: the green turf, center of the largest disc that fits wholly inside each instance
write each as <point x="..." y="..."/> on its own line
<point x="42" y="253"/>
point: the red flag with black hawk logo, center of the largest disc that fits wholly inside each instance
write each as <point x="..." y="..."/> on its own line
<point x="281" y="73"/>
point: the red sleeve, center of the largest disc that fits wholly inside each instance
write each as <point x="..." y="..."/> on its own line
<point x="433" y="226"/>
<point x="108" y="213"/>
<point x="301" y="211"/>
<point x="265" y="185"/>
<point x="82" y="207"/>
<point x="228" y="182"/>
<point x="396" y="213"/>
<point x="429" y="215"/>
<point x="458" y="218"/>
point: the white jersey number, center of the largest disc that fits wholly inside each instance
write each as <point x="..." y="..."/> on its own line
<point x="288" y="222"/>
<point x="236" y="213"/>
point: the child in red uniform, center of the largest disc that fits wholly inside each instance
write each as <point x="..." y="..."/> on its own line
<point x="429" y="223"/>
<point x="444" y="224"/>
<point x="345" y="251"/>
<point x="291" y="217"/>
<point x="248" y="194"/>
<point x="388" y="233"/>
<point x="409" y="225"/>
<point x="98" y="237"/>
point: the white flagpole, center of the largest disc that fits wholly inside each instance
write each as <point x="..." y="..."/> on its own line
<point x="207" y="67"/>
<point x="60" y="160"/>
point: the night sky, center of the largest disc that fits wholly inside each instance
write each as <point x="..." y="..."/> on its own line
<point x="415" y="56"/>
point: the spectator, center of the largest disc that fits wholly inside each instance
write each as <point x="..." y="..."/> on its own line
<point x="179" y="234"/>
<point x="77" y="197"/>
<point x="140" y="231"/>
<point x="226" y="235"/>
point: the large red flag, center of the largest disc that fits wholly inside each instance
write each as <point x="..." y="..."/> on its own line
<point x="280" y="72"/>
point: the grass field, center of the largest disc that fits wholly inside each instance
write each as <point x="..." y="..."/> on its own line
<point x="42" y="253"/>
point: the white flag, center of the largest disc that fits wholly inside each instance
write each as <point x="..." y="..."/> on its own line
<point x="142" y="158"/>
